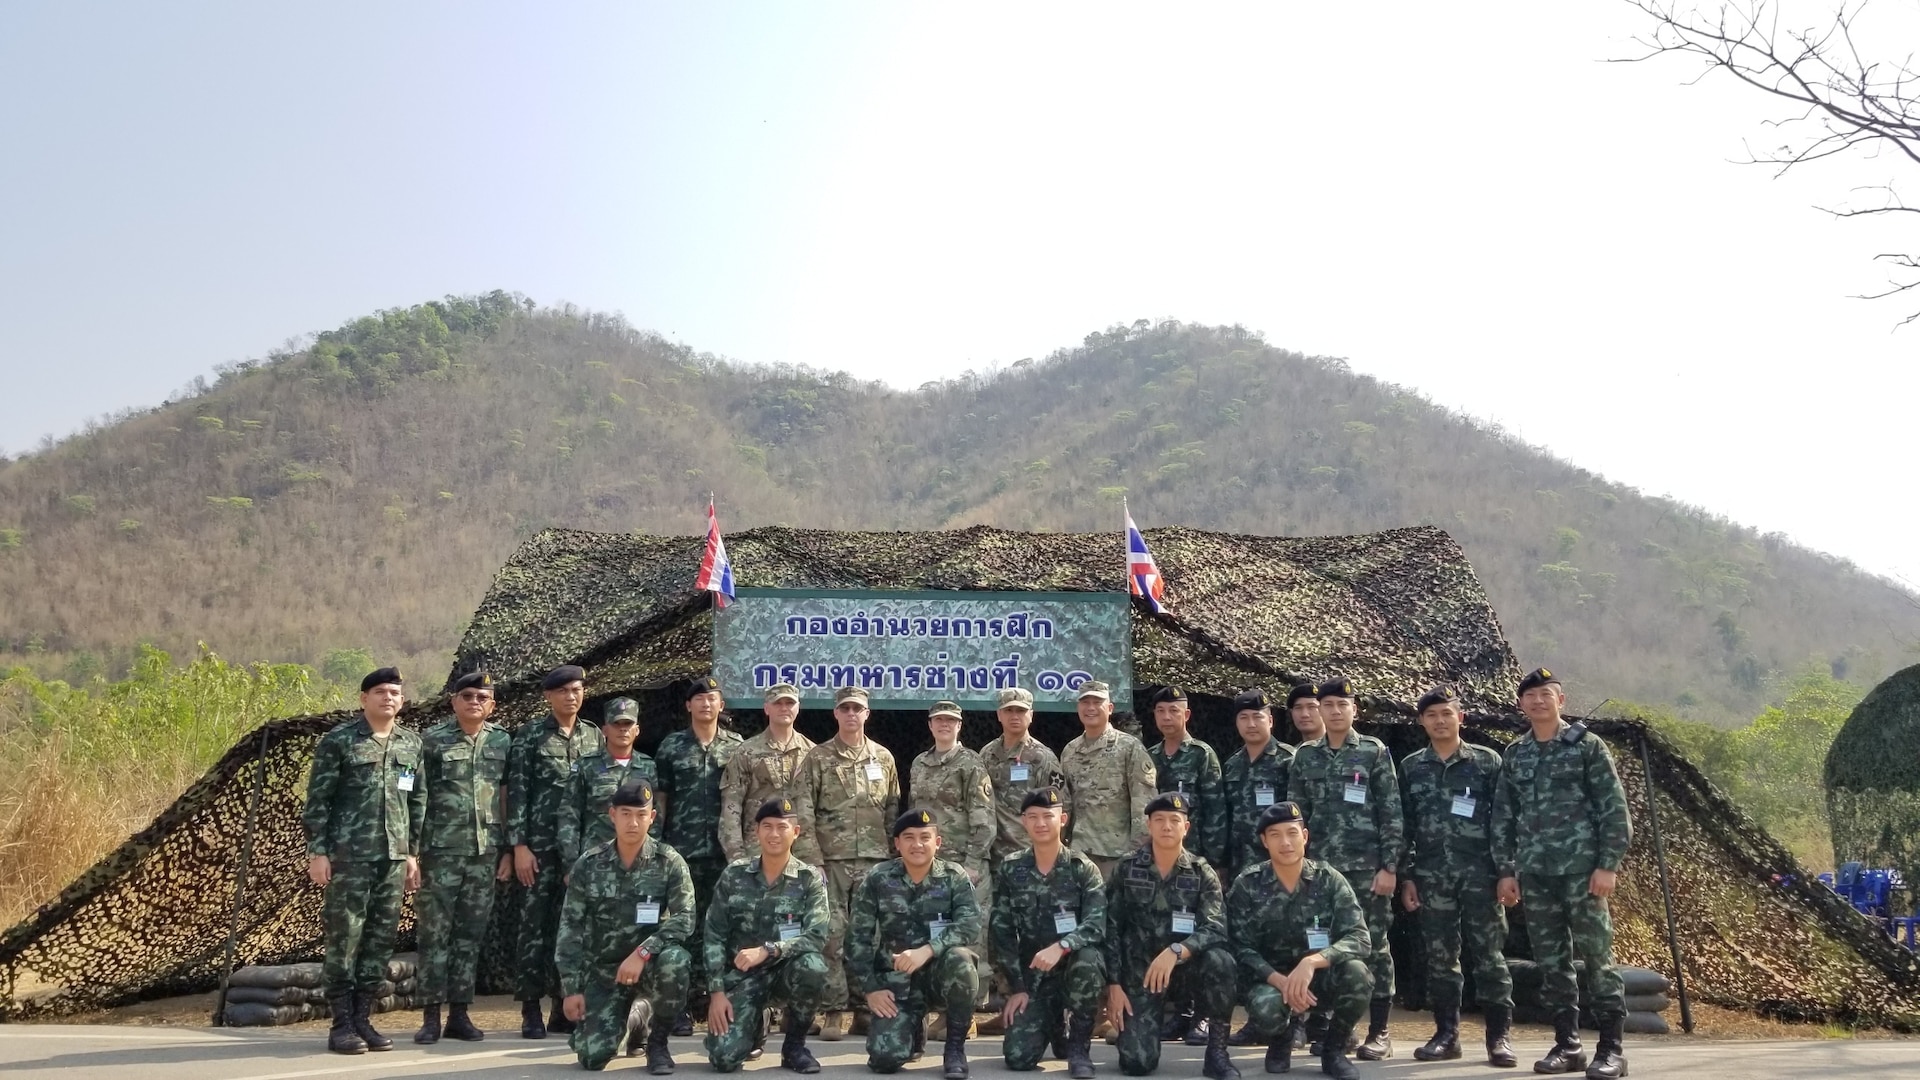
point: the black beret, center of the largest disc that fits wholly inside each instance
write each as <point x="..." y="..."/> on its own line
<point x="1168" y="694"/>
<point x="776" y="807"/>
<point x="473" y="680"/>
<point x="1278" y="814"/>
<point x="1170" y="800"/>
<point x="912" y="819"/>
<point x="1537" y="677"/>
<point x="380" y="677"/>
<point x="701" y="685"/>
<point x="1305" y="691"/>
<point x="562" y="675"/>
<point x="1439" y="695"/>
<point x="1249" y="699"/>
<point x="1045" y="797"/>
<point x="1338" y="686"/>
<point x="635" y="792"/>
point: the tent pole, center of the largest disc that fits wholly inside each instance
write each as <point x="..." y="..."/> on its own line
<point x="240" y="874"/>
<point x="1666" y="888"/>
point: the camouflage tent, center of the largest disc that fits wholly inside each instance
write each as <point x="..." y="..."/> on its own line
<point x="1873" y="779"/>
<point x="1395" y="611"/>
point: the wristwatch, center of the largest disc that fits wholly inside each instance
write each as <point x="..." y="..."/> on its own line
<point x="773" y="949"/>
<point x="1178" y="950"/>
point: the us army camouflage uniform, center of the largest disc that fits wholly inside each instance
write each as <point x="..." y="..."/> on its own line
<point x="540" y="773"/>
<point x="892" y="914"/>
<point x="1112" y="780"/>
<point x="584" y="822"/>
<point x="1269" y="927"/>
<point x="1141" y="906"/>
<point x="1001" y="763"/>
<point x="1252" y="786"/>
<point x="610" y="912"/>
<point x="1194" y="771"/>
<point x="756" y="772"/>
<point x="1027" y="909"/>
<point x="1559" y="814"/>
<point x="1357" y="839"/>
<point x="844" y="829"/>
<point x="955" y="787"/>
<point x="460" y="848"/>
<point x="1450" y="860"/>
<point x="690" y="780"/>
<point x="790" y="916"/>
<point x="366" y="803"/>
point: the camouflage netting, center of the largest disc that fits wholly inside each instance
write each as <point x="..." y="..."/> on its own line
<point x="1873" y="778"/>
<point x="1396" y="612"/>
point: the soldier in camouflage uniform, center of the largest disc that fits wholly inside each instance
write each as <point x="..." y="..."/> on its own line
<point x="1560" y="832"/>
<point x="1448" y="790"/>
<point x="1301" y="940"/>
<point x="1345" y="784"/>
<point x="763" y="940"/>
<point x="366" y="803"/>
<point x="909" y="947"/>
<point x="762" y="769"/>
<point x="623" y="936"/>
<point x="463" y="851"/>
<point x="847" y="795"/>
<point x="1111" y="779"/>
<point x="951" y="781"/>
<point x="1303" y="709"/>
<point x="1049" y="923"/>
<point x="584" y="823"/>
<point x="1255" y="778"/>
<point x="690" y="762"/>
<point x="1167" y="941"/>
<point x="1185" y="764"/>
<point x="546" y="755"/>
<point x="1017" y="765"/>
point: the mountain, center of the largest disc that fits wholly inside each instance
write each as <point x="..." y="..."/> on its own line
<point x="357" y="493"/>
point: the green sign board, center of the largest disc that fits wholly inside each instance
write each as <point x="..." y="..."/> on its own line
<point x="909" y="649"/>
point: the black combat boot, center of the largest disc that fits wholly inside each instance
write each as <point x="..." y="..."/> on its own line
<point x="760" y="1038"/>
<point x="794" y="1054"/>
<point x="659" y="1057"/>
<point x="1565" y="1057"/>
<point x="460" y="1025"/>
<point x="1500" y="1053"/>
<point x="429" y="1032"/>
<point x="1080" y="1046"/>
<point x="683" y="1024"/>
<point x="557" y="1021"/>
<point x="1219" y="1061"/>
<point x="1333" y="1053"/>
<point x="1280" y="1053"/>
<point x="1379" y="1045"/>
<point x="1058" y="1041"/>
<point x="531" y="1026"/>
<point x="1299" y="1032"/>
<point x="1201" y="1033"/>
<point x="1316" y="1029"/>
<point x="1445" y="1044"/>
<point x="1245" y="1036"/>
<point x="1176" y="1024"/>
<point x="341" y="1038"/>
<point x="363" y="1027"/>
<point x="1609" y="1059"/>
<point x="953" y="1064"/>
<point x="919" y="1048"/>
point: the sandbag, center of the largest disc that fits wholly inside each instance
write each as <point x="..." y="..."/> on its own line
<point x="311" y="976"/>
<point x="401" y="966"/>
<point x="1648" y="1003"/>
<point x="257" y="1014"/>
<point x="1646" y="1023"/>
<point x="1643" y="981"/>
<point x="269" y="995"/>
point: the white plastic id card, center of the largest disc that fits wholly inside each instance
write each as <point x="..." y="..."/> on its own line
<point x="1463" y="805"/>
<point x="1019" y="770"/>
<point x="1356" y="794"/>
<point x="789" y="930"/>
<point x="873" y="772"/>
<point x="404" y="782"/>
<point x="646" y="912"/>
<point x="936" y="928"/>
<point x="1317" y="939"/>
<point x="1183" y="922"/>
<point x="1065" y="922"/>
<point x="1263" y="796"/>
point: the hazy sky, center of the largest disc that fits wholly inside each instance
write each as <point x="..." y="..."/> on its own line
<point x="1459" y="198"/>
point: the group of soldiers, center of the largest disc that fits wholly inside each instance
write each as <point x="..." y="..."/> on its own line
<point x="735" y="878"/>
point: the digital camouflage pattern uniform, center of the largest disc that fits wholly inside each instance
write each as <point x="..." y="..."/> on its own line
<point x="612" y="910"/>
<point x="756" y="772"/>
<point x="366" y="803"/>
<point x="1270" y="929"/>
<point x="584" y="822"/>
<point x="1559" y="814"/>
<point x="1141" y="911"/>
<point x="1016" y="772"/>
<point x="1194" y="771"/>
<point x="954" y="786"/>
<point x="1359" y="838"/>
<point x="1252" y="786"/>
<point x="790" y="916"/>
<point x="1112" y="780"/>
<point x="690" y="781"/>
<point x="460" y="847"/>
<point x="1032" y="911"/>
<point x="846" y="811"/>
<point x="893" y="914"/>
<point x="1449" y="812"/>
<point x="540" y="774"/>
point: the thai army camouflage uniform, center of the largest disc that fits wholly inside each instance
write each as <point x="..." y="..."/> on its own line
<point x="1358" y="838"/>
<point x="1273" y="930"/>
<point x="1032" y="911"/>
<point x="1251" y="787"/>
<point x="611" y="911"/>
<point x="1016" y="772"/>
<point x="892" y="914"/>
<point x="366" y="803"/>
<point x="756" y="772"/>
<point x="1112" y="780"/>
<point x="460" y="848"/>
<point x="1194" y="771"/>
<point x="954" y="786"/>
<point x="584" y="823"/>
<point x="540" y="775"/>
<point x="789" y="917"/>
<point x="1559" y="814"/>
<point x="1449" y="811"/>
<point x="690" y="780"/>
<point x="1145" y="914"/>
<point x="846" y="799"/>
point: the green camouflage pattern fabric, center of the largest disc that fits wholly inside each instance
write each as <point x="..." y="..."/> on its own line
<point x="1194" y="770"/>
<point x="466" y="789"/>
<point x="955" y="787"/>
<point x="1002" y="762"/>
<point x="1112" y="780"/>
<point x="1141" y="906"/>
<point x="1269" y="928"/>
<point x="756" y="772"/>
<point x="891" y="914"/>
<point x="584" y="822"/>
<point x="1559" y="807"/>
<point x="451" y="911"/>
<point x="1251" y="786"/>
<point x="1566" y="922"/>
<point x="366" y="797"/>
<point x="789" y="915"/>
<point x="361" y="910"/>
<point x="690" y="785"/>
<point x="844" y="814"/>
<point x="611" y="911"/>
<point x="1028" y="909"/>
<point x="1449" y="858"/>
<point x="540" y="776"/>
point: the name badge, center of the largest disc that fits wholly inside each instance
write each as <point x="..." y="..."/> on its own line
<point x="1183" y="922"/>
<point x="1065" y="922"/>
<point x="646" y="913"/>
<point x="789" y="930"/>
<point x="573" y="766"/>
<point x="1263" y="796"/>
<point x="936" y="928"/>
<point x="1317" y="939"/>
<point x="1463" y="806"/>
<point x="873" y="771"/>
<point x="1019" y="771"/>
<point x="1356" y="794"/>
<point x="405" y="782"/>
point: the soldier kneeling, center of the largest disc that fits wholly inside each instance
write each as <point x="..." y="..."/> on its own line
<point x="1049" y="921"/>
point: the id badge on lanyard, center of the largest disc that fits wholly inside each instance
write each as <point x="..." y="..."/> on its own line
<point x="1019" y="770"/>
<point x="937" y="927"/>
<point x="789" y="929"/>
<point x="1317" y="938"/>
<point x="1356" y="792"/>
<point x="1065" y="922"/>
<point x="404" y="781"/>
<point x="1463" y="804"/>
<point x="1263" y="795"/>
<point x="1183" y="922"/>
<point x="873" y="771"/>
<point x="646" y="913"/>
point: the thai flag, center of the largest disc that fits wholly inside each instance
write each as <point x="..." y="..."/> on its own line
<point x="716" y="573"/>
<point x="1143" y="575"/>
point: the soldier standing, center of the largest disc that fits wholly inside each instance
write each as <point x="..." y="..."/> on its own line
<point x="1560" y="833"/>
<point x="763" y="937"/>
<point x="1301" y="941"/>
<point x="1167" y="940"/>
<point x="623" y="935"/>
<point x="846" y="797"/>
<point x="1017" y="765"/>
<point x="1112" y="781"/>
<point x="1049" y="923"/>
<point x="1255" y="777"/>
<point x="951" y="781"/>
<point x="584" y="823"/>
<point x="1448" y="792"/>
<point x="909" y="942"/>
<point x="463" y="851"/>
<point x="1346" y="788"/>
<point x="366" y="804"/>
<point x="546" y="755"/>
<point x="1303" y="708"/>
<point x="690" y="762"/>
<point x="762" y="769"/>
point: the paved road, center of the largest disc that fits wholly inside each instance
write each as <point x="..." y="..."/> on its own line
<point x="72" y="1052"/>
